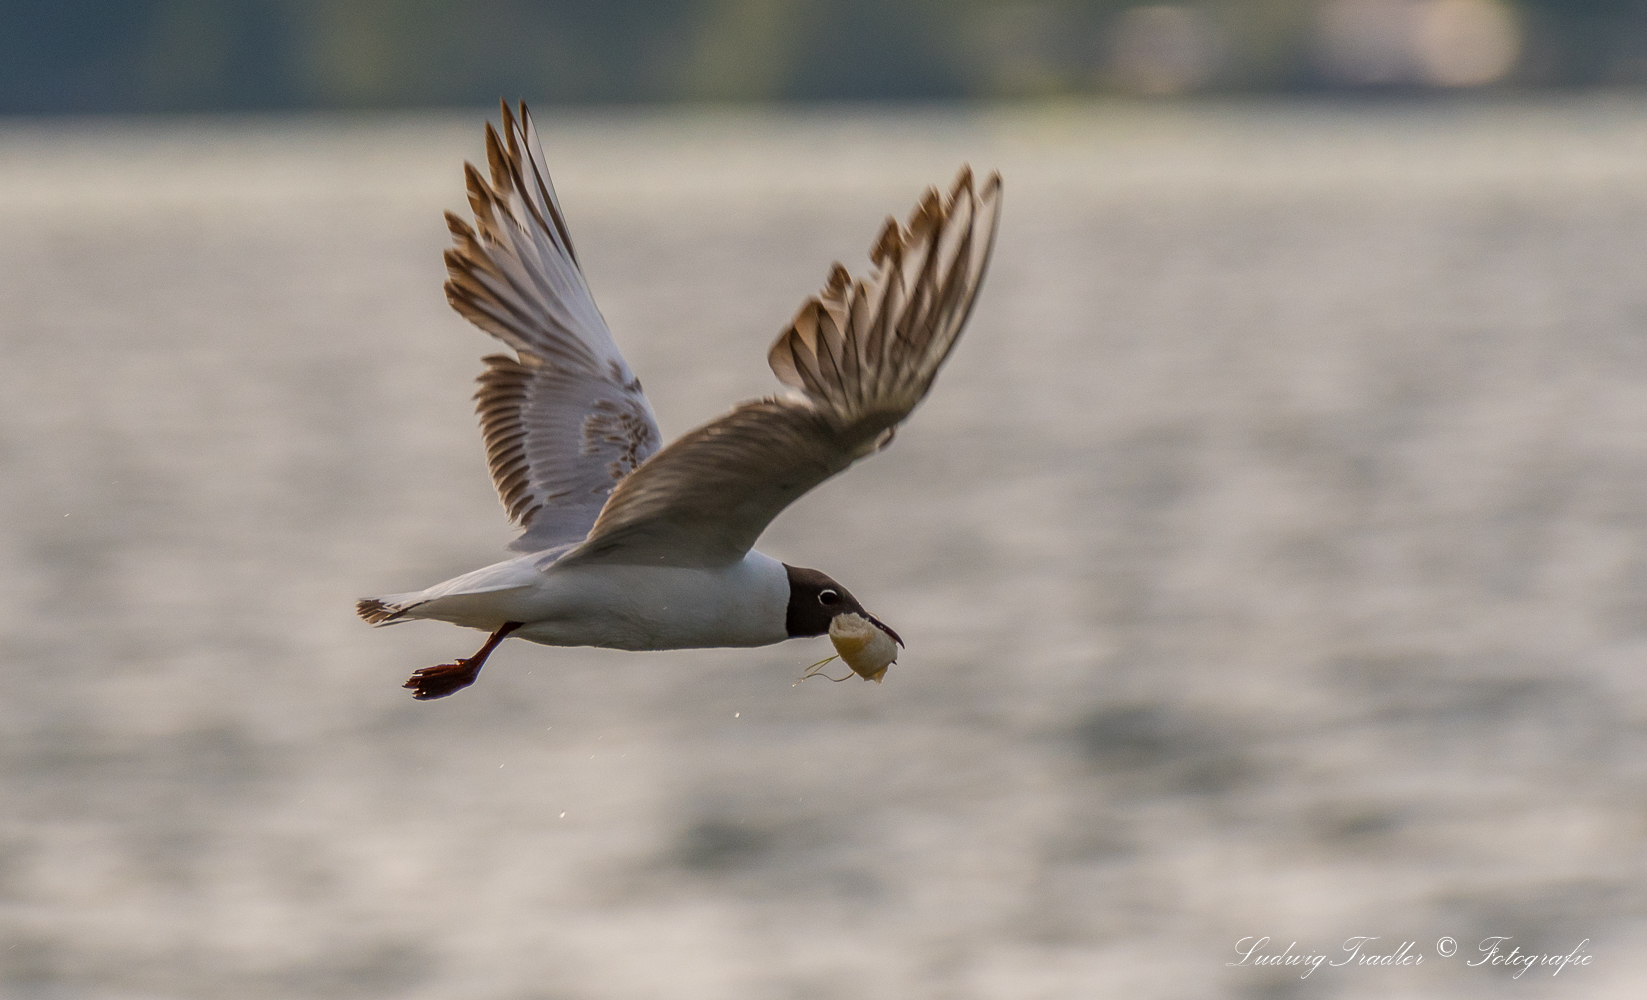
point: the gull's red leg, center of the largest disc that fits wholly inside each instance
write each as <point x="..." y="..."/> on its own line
<point x="447" y="678"/>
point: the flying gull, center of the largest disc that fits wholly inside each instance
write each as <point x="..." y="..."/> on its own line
<point x="629" y="546"/>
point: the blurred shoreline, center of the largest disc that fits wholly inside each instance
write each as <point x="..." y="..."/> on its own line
<point x="153" y="55"/>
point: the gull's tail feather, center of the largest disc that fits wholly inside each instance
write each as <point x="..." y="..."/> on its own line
<point x="485" y="598"/>
<point x="376" y="612"/>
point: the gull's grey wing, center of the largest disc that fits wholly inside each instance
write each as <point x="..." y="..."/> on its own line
<point x="863" y="353"/>
<point x="565" y="420"/>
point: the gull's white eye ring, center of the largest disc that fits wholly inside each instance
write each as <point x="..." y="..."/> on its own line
<point x="828" y="597"/>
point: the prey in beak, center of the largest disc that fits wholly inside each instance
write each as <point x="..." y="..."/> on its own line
<point x="864" y="644"/>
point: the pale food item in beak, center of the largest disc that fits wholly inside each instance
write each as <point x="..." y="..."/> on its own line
<point x="868" y="650"/>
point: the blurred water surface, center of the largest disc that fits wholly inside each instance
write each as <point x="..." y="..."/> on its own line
<point x="1270" y="554"/>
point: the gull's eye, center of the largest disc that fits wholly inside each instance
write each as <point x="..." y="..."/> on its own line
<point x="829" y="598"/>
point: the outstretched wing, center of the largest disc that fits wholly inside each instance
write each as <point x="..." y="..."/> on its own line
<point x="863" y="354"/>
<point x="565" y="419"/>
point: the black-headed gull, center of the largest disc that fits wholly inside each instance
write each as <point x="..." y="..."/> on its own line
<point x="630" y="547"/>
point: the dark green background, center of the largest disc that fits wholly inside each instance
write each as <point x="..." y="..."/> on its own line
<point x="106" y="56"/>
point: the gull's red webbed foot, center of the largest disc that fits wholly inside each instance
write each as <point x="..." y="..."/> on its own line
<point x="443" y="679"/>
<point x="446" y="678"/>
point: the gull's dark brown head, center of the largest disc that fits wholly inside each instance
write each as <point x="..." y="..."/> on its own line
<point x="815" y="600"/>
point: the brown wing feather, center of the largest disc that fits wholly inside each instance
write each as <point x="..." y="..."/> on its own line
<point x="863" y="353"/>
<point x="880" y="342"/>
<point x="704" y="499"/>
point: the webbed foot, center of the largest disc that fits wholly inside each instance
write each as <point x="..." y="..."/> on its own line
<point x="443" y="679"/>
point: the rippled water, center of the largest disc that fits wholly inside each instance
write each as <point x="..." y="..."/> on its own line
<point x="1271" y="558"/>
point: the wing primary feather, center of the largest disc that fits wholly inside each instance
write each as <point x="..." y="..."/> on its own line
<point x="888" y="241"/>
<point x="545" y="187"/>
<point x="489" y="209"/>
<point x="497" y="162"/>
